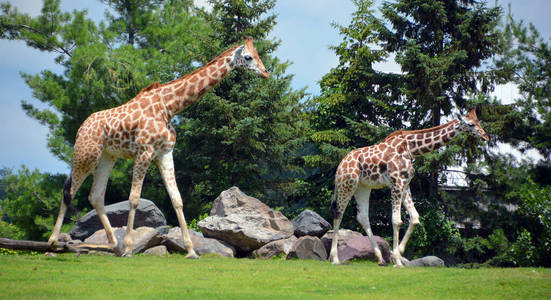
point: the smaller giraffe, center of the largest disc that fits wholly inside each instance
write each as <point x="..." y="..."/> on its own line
<point x="389" y="163"/>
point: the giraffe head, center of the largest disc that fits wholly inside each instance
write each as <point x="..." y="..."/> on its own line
<point x="247" y="57"/>
<point x="470" y="125"/>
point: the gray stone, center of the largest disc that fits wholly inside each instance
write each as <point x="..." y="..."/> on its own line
<point x="175" y="243"/>
<point x="244" y="222"/>
<point x="147" y="214"/>
<point x="163" y="229"/>
<point x="275" y="248"/>
<point x="361" y="248"/>
<point x="308" y="247"/>
<point x="344" y="235"/>
<point x="310" y="223"/>
<point x="142" y="238"/>
<point x="427" y="261"/>
<point x="156" y="251"/>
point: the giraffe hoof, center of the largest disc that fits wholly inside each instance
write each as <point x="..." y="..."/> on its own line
<point x="382" y="263"/>
<point x="192" y="255"/>
<point x="127" y="253"/>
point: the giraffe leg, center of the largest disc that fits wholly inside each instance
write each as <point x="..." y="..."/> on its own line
<point x="344" y="189"/>
<point x="166" y="167"/>
<point x="396" y="194"/>
<point x="413" y="219"/>
<point x="97" y="196"/>
<point x="362" y="200"/>
<point x="70" y="189"/>
<point x="141" y="164"/>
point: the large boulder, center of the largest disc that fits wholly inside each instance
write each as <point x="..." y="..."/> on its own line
<point x="175" y="243"/>
<point x="147" y="214"/>
<point x="361" y="248"/>
<point x="244" y="222"/>
<point x="275" y="248"/>
<point x="308" y="247"/>
<point x="344" y="235"/>
<point x="142" y="238"/>
<point x="310" y="223"/>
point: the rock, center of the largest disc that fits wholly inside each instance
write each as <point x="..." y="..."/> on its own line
<point x="165" y="229"/>
<point x="147" y="214"/>
<point x="361" y="248"/>
<point x="344" y="234"/>
<point x="275" y="248"/>
<point x="64" y="237"/>
<point x="244" y="222"/>
<point x="175" y="243"/>
<point x="142" y="238"/>
<point x="427" y="261"/>
<point x="308" y="247"/>
<point x="310" y="223"/>
<point x="156" y="251"/>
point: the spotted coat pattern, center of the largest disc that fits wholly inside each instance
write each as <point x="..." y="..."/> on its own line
<point x="141" y="129"/>
<point x="389" y="163"/>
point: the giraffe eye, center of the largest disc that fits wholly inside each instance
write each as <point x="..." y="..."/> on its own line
<point x="248" y="57"/>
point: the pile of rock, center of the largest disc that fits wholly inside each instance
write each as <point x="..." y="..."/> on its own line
<point x="238" y="226"/>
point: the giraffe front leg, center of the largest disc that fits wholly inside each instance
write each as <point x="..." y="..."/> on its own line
<point x="166" y="167"/>
<point x="362" y="199"/>
<point x="413" y="220"/>
<point x="396" y="224"/>
<point x="140" y="169"/>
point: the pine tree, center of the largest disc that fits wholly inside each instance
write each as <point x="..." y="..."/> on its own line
<point x="245" y="132"/>
<point x="441" y="46"/>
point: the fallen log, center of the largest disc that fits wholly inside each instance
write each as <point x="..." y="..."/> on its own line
<point x="79" y="248"/>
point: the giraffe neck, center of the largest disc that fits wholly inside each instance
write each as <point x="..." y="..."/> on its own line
<point x="181" y="93"/>
<point x="427" y="140"/>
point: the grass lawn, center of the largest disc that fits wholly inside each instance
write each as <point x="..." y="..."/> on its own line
<point x="174" y="277"/>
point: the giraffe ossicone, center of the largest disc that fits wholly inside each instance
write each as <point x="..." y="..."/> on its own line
<point x="390" y="163"/>
<point x="141" y="129"/>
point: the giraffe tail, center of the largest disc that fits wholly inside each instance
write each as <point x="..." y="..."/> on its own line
<point x="335" y="213"/>
<point x="67" y="195"/>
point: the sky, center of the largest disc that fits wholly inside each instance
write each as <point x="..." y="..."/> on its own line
<point x="303" y="26"/>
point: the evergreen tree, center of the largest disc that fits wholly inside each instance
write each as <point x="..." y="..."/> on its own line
<point x="245" y="131"/>
<point x="240" y="134"/>
<point x="441" y="46"/>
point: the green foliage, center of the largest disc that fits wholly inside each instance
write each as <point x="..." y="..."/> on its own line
<point x="244" y="132"/>
<point x="240" y="134"/>
<point x="526" y="61"/>
<point x="434" y="236"/>
<point x="32" y="199"/>
<point x="4" y="251"/>
<point x="10" y="231"/>
<point x="193" y="223"/>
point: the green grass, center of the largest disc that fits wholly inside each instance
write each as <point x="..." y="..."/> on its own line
<point x="174" y="277"/>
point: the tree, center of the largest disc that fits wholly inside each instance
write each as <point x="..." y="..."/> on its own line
<point x="441" y="46"/>
<point x="31" y="201"/>
<point x="243" y="132"/>
<point x="238" y="135"/>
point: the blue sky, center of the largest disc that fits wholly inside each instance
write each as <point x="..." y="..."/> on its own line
<point x="303" y="28"/>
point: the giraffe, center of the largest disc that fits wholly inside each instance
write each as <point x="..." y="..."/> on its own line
<point x="389" y="163"/>
<point x="141" y="129"/>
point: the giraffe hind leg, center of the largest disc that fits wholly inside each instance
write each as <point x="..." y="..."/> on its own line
<point x="362" y="199"/>
<point x="338" y="207"/>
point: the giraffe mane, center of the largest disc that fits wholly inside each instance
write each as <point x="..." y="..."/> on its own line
<point x="402" y="132"/>
<point x="157" y="85"/>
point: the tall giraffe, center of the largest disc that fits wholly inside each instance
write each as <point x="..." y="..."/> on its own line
<point x="141" y="129"/>
<point x="389" y="163"/>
